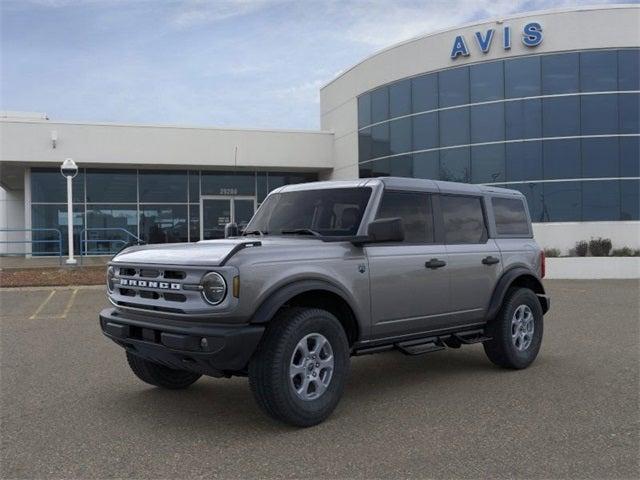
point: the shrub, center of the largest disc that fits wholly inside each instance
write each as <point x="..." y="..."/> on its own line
<point x="581" y="248"/>
<point x="625" y="252"/>
<point x="600" y="247"/>
<point x="551" y="252"/>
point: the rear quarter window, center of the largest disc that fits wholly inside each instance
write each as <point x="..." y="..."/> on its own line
<point x="511" y="216"/>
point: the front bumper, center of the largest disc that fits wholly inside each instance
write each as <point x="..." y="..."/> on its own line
<point x="214" y="350"/>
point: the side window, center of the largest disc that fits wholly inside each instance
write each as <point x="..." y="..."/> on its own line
<point x="511" y="217"/>
<point x="415" y="211"/>
<point x="463" y="219"/>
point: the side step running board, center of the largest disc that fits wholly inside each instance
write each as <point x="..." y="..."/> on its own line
<point x="418" y="347"/>
<point x="473" y="336"/>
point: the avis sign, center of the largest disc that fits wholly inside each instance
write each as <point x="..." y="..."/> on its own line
<point x="531" y="37"/>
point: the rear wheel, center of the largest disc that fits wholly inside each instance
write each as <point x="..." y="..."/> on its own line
<point x="159" y="375"/>
<point x="516" y="331"/>
<point x="298" y="372"/>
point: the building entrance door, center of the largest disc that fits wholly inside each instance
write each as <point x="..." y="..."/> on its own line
<point x="216" y="211"/>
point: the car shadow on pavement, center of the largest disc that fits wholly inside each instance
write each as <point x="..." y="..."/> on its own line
<point x="228" y="404"/>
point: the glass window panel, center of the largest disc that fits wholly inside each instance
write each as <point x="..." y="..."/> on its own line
<point x="400" y="98"/>
<point x="463" y="219"/>
<point x="194" y="186"/>
<point x="630" y="156"/>
<point x="400" y="135"/>
<point x="425" y="131"/>
<point x="487" y="123"/>
<point x="522" y="77"/>
<point x="114" y="221"/>
<point x="600" y="201"/>
<point x="415" y="211"/>
<point x="426" y="165"/>
<point x="487" y="164"/>
<point x="523" y="119"/>
<point x="54" y="217"/>
<point x="629" y="113"/>
<point x="560" y="73"/>
<point x="630" y="200"/>
<point x="454" y="127"/>
<point x="562" y="202"/>
<point x="600" y="157"/>
<point x="380" y="168"/>
<point x="228" y="183"/>
<point x="365" y="145"/>
<point x="453" y="87"/>
<point x="194" y="222"/>
<point x="454" y="165"/>
<point x="163" y="186"/>
<point x="401" y="166"/>
<point x="599" y="114"/>
<point x="424" y="93"/>
<point x="49" y="186"/>
<point x="629" y="69"/>
<point x="487" y="81"/>
<point x="533" y="194"/>
<point x="112" y="186"/>
<point x="523" y="161"/>
<point x="365" y="170"/>
<point x="380" y="140"/>
<point x="262" y="185"/>
<point x="279" y="179"/>
<point x="364" y="110"/>
<point x="561" y="159"/>
<point x="379" y="104"/>
<point x="511" y="216"/>
<point x="599" y="71"/>
<point x="163" y="223"/>
<point x="561" y="116"/>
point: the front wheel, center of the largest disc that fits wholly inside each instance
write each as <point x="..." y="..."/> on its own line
<point x="298" y="373"/>
<point x="516" y="331"/>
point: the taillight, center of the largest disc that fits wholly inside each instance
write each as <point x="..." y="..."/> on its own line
<point x="543" y="264"/>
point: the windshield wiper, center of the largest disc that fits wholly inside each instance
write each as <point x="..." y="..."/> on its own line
<point x="254" y="232"/>
<point x="301" y="231"/>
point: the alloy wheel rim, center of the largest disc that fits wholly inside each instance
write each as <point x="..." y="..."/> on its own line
<point x="311" y="367"/>
<point x="522" y="327"/>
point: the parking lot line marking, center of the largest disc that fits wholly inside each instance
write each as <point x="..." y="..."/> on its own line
<point x="69" y="303"/>
<point x="42" y="305"/>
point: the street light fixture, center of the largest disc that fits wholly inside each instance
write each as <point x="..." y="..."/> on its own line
<point x="69" y="169"/>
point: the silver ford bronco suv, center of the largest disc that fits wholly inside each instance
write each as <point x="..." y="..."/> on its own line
<point x="327" y="270"/>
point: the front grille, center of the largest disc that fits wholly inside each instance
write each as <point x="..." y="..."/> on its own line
<point x="159" y="289"/>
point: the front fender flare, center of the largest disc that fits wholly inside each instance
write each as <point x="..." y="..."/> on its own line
<point x="281" y="295"/>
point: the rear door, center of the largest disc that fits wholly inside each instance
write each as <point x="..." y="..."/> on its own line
<point x="474" y="263"/>
<point x="410" y="279"/>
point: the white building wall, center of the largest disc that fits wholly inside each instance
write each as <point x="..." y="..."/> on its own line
<point x="564" y="235"/>
<point x="11" y="217"/>
<point x="29" y="141"/>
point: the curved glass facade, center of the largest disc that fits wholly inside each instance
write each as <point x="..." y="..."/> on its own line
<point x="562" y="128"/>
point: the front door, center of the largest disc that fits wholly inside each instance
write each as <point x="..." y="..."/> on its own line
<point x="217" y="211"/>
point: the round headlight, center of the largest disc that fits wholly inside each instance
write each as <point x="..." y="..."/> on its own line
<point x="214" y="288"/>
<point x="111" y="272"/>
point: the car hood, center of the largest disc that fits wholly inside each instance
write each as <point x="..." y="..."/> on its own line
<point x="207" y="252"/>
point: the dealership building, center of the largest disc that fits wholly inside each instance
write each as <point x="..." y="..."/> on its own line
<point x="546" y="103"/>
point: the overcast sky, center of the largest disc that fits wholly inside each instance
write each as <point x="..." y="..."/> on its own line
<point x="244" y="63"/>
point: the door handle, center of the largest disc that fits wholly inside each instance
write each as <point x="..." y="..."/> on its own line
<point x="490" y="260"/>
<point x="435" y="263"/>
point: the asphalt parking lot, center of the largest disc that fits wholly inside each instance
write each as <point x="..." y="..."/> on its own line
<point x="71" y="407"/>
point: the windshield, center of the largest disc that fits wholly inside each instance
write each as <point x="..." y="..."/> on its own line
<point x="326" y="212"/>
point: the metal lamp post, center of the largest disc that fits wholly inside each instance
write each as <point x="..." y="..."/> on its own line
<point x="69" y="169"/>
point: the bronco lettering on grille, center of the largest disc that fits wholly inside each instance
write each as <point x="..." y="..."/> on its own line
<point x="128" y="282"/>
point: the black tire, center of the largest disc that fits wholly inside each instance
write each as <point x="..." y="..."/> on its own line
<point x="269" y="367"/>
<point x="159" y="375"/>
<point x="501" y="349"/>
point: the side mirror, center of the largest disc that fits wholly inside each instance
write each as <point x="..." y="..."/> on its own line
<point x="230" y="230"/>
<point x="386" y="230"/>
